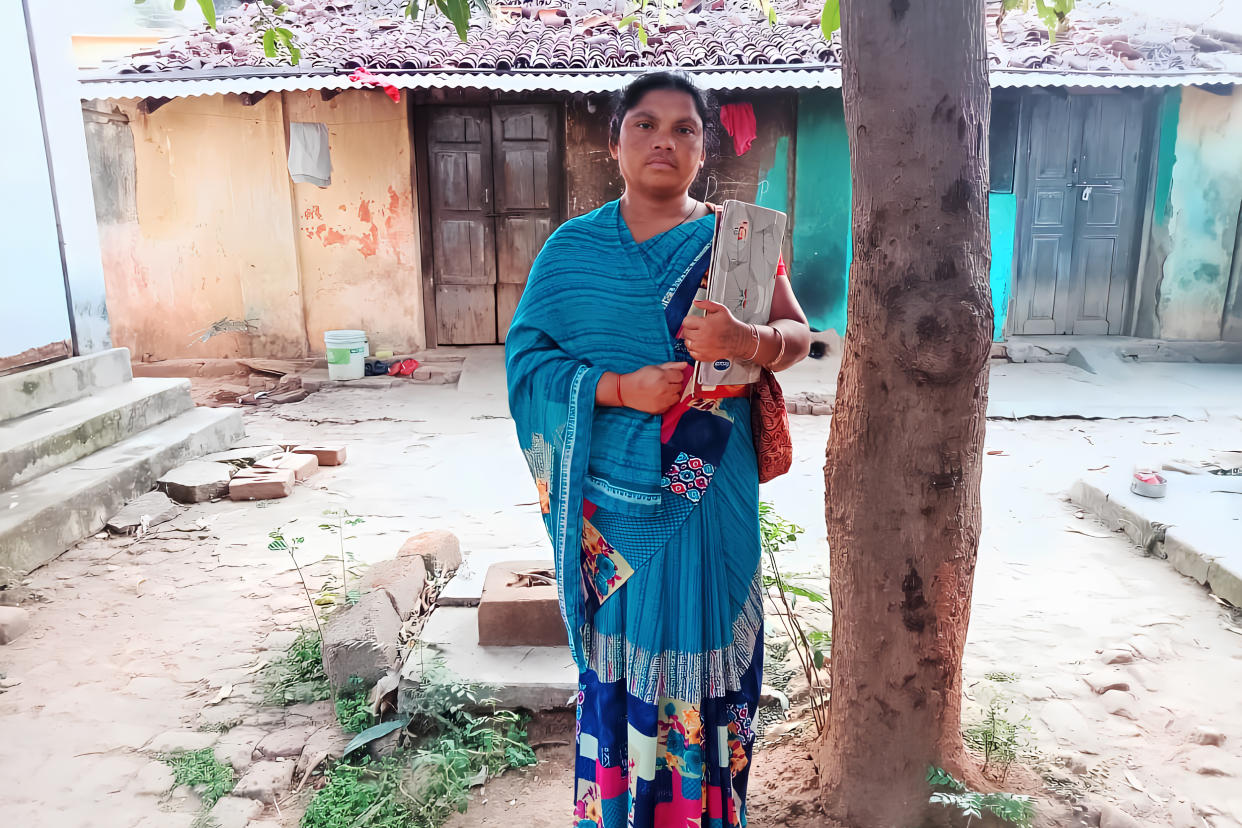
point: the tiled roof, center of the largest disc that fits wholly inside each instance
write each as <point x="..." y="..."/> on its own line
<point x="576" y="35"/>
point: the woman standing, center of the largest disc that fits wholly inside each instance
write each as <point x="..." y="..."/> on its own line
<point x="649" y="493"/>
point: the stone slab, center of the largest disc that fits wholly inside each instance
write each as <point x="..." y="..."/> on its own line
<point x="1195" y="526"/>
<point x="42" y="518"/>
<point x="151" y="509"/>
<point x="49" y="439"/>
<point x="361" y="642"/>
<point x="465" y="588"/>
<point x="57" y="383"/>
<point x="512" y="614"/>
<point x="266" y="782"/>
<point x="14" y="621"/>
<point x="402" y="580"/>
<point x="197" y="481"/>
<point x="526" y="678"/>
<point x="234" y="812"/>
<point x="439" y="549"/>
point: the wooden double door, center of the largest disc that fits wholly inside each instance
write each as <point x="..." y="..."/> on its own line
<point x="494" y="175"/>
<point x="1080" y="214"/>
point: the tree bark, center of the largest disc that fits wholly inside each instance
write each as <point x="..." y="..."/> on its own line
<point x="904" y="456"/>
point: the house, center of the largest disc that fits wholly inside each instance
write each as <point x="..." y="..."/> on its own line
<point x="1115" y="184"/>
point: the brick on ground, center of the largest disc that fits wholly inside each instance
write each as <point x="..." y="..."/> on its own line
<point x="333" y="455"/>
<point x="302" y="465"/>
<point x="261" y="484"/>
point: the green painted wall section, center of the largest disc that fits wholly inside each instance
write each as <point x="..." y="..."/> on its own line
<point x="821" y="237"/>
<point x="1166" y="153"/>
<point x="1003" y="220"/>
<point x="774" y="185"/>
<point x="1204" y="197"/>
<point x="822" y="244"/>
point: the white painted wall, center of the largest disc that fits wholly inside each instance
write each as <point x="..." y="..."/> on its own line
<point x="33" y="310"/>
<point x="71" y="172"/>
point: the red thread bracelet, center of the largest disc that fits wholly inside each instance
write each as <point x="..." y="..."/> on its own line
<point x="620" y="399"/>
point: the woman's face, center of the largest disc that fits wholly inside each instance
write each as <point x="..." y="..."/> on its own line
<point x="661" y="148"/>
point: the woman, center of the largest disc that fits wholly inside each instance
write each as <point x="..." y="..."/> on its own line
<point x="650" y="493"/>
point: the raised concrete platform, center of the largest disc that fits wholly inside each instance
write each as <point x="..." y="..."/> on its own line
<point x="45" y="440"/>
<point x="61" y="382"/>
<point x="1197" y="526"/>
<point x="44" y="517"/>
<point x="526" y="678"/>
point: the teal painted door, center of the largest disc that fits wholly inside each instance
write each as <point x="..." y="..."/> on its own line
<point x="1078" y="213"/>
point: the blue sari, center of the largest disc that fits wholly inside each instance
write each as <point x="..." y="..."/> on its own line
<point x="654" y="527"/>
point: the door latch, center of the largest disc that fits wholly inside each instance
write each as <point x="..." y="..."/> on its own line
<point x="1086" y="192"/>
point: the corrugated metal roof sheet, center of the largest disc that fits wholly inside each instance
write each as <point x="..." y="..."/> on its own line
<point x="574" y="46"/>
<point x="598" y="82"/>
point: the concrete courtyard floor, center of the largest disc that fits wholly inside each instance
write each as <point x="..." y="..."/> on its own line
<point x="135" y="642"/>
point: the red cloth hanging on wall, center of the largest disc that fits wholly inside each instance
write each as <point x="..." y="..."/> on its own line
<point x="739" y="121"/>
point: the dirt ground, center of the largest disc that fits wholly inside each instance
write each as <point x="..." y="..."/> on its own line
<point x="135" y="645"/>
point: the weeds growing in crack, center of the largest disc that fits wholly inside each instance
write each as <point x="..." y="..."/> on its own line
<point x="210" y="778"/>
<point x="455" y="741"/>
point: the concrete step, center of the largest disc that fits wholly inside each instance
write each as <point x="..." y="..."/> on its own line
<point x="60" y="382"/>
<point x="46" y="440"/>
<point x="41" y="519"/>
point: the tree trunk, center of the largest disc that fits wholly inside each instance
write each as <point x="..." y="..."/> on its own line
<point x="904" y="457"/>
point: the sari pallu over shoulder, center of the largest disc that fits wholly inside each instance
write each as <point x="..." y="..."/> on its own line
<point x="592" y="305"/>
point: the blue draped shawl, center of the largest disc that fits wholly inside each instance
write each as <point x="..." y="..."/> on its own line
<point x="617" y="485"/>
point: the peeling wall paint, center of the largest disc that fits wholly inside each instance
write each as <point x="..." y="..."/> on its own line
<point x="1204" y="197"/>
<point x="218" y="230"/>
<point x="358" y="248"/>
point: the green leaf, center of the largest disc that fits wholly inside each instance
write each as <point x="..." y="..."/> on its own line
<point x="369" y="735"/>
<point x="209" y="11"/>
<point x="269" y="43"/>
<point x="830" y="18"/>
<point x="178" y="5"/>
<point x="818" y="657"/>
<point x="809" y="594"/>
<point x="771" y="15"/>
<point x="626" y="22"/>
<point x="282" y="8"/>
<point x="411" y="9"/>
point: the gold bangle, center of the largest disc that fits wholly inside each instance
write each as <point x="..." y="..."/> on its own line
<point x="780" y="353"/>
<point x="754" y="330"/>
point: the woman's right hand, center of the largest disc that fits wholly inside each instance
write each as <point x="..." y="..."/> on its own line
<point x="653" y="388"/>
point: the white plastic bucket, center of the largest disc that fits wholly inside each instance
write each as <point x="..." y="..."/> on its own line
<point x="347" y="352"/>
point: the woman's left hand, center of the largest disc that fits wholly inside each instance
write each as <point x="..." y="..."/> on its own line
<point x="718" y="335"/>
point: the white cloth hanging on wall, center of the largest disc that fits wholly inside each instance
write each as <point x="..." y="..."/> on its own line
<point x="309" y="159"/>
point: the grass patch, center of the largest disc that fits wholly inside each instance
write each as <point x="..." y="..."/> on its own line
<point x="353" y="711"/>
<point x="368" y="793"/>
<point x="422" y="784"/>
<point x="297" y="676"/>
<point x="200" y="770"/>
<point x="1001" y="677"/>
